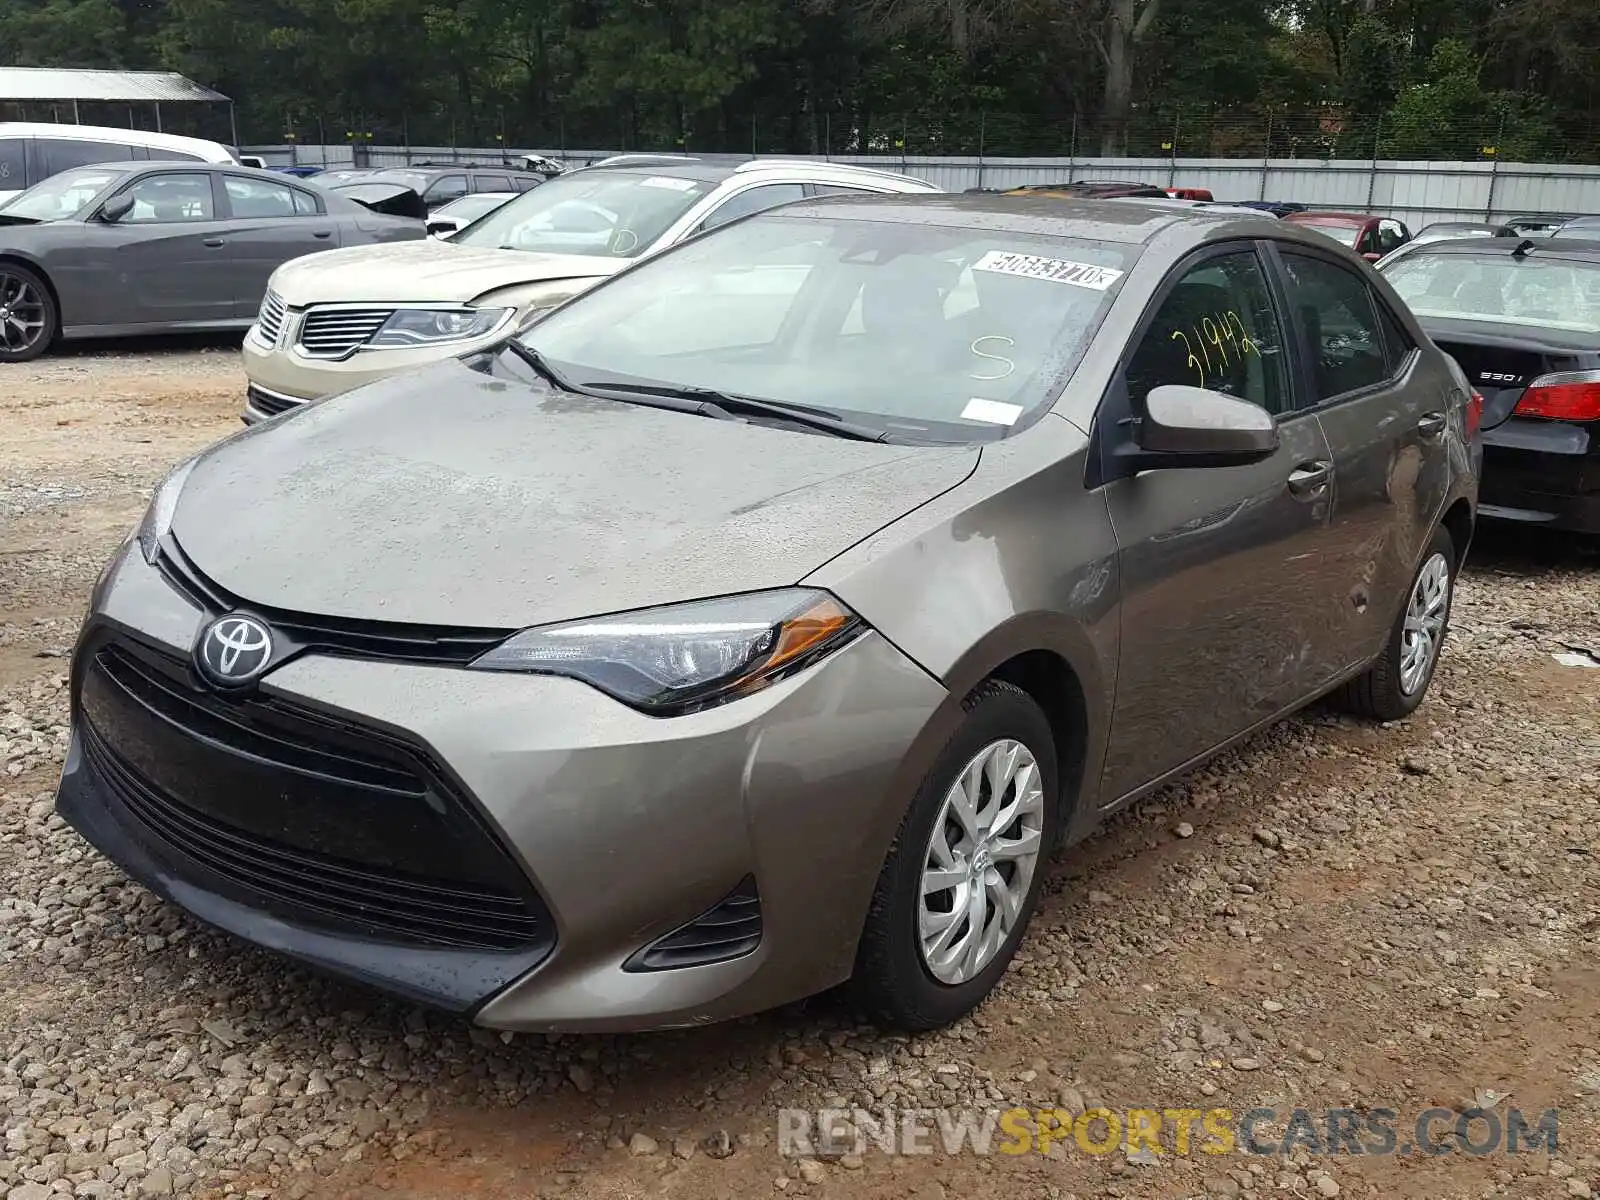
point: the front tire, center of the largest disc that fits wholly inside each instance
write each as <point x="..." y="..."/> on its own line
<point x="28" y="318"/>
<point x="963" y="877"/>
<point x="1394" y="686"/>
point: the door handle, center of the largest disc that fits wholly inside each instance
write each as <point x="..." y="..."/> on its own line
<point x="214" y="242"/>
<point x="1431" y="425"/>
<point x="1310" y="479"/>
<point x="322" y="233"/>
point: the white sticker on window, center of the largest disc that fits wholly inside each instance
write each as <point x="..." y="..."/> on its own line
<point x="1056" y="270"/>
<point x="668" y="183"/>
<point x="992" y="411"/>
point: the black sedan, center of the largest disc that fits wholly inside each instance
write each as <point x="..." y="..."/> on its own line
<point x="1522" y="317"/>
<point x="151" y="247"/>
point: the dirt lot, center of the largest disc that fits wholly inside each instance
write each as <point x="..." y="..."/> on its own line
<point x="1336" y="915"/>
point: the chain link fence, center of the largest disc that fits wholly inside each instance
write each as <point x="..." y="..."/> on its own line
<point x="1172" y="131"/>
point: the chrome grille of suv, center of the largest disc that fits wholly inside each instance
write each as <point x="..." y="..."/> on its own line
<point x="269" y="321"/>
<point x="336" y="332"/>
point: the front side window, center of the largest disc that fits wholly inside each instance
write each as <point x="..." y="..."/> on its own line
<point x="63" y="195"/>
<point x="163" y="199"/>
<point x="926" y="331"/>
<point x="1499" y="289"/>
<point x="610" y="213"/>
<point x="1336" y="309"/>
<point x="1217" y="329"/>
<point x="754" y="200"/>
<point x="258" y="197"/>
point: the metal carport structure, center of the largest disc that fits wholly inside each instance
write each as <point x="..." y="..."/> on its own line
<point x="67" y="85"/>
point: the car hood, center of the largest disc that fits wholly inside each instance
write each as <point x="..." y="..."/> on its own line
<point x="409" y="272"/>
<point x="452" y="497"/>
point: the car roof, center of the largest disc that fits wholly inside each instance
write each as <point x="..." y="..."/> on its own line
<point x="214" y="151"/>
<point x="1129" y="220"/>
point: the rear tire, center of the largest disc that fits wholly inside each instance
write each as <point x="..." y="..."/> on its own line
<point x="904" y="977"/>
<point x="28" y="318"/>
<point x="1395" y="684"/>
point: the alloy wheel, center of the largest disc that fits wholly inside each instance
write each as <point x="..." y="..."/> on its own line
<point x="22" y="314"/>
<point x="1424" y="627"/>
<point x="979" y="863"/>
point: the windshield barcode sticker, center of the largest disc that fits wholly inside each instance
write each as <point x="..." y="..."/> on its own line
<point x="994" y="412"/>
<point x="1056" y="270"/>
<point x="667" y="182"/>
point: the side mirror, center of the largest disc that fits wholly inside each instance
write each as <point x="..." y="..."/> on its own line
<point x="114" y="209"/>
<point x="1194" y="427"/>
<point x="441" y="228"/>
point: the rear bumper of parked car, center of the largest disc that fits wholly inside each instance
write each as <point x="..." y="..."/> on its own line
<point x="1544" y="473"/>
<point x="537" y="835"/>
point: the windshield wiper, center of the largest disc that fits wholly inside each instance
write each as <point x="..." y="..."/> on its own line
<point x="730" y="404"/>
<point x="705" y="402"/>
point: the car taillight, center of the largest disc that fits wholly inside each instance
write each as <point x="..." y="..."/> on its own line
<point x="1567" y="396"/>
<point x="1474" y="414"/>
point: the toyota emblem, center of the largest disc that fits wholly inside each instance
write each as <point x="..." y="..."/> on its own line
<point x="234" y="650"/>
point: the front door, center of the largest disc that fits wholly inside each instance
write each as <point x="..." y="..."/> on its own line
<point x="1384" y="414"/>
<point x="1224" y="624"/>
<point x="172" y="253"/>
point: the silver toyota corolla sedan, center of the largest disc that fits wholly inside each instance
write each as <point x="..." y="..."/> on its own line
<point x="762" y="619"/>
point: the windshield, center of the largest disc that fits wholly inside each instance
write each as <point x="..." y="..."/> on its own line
<point x="1345" y="235"/>
<point x="925" y="331"/>
<point x="613" y="214"/>
<point x="1501" y="290"/>
<point x="62" y="195"/>
<point x="470" y="208"/>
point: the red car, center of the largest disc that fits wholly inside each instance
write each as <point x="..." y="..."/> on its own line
<point x="1178" y="193"/>
<point x="1369" y="236"/>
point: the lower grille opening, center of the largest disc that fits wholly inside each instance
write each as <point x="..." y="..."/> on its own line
<point x="728" y="930"/>
<point x="267" y="402"/>
<point x="313" y="819"/>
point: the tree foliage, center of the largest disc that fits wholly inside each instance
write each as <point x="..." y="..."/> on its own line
<point x="1417" y="78"/>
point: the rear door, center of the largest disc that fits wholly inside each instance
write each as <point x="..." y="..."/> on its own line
<point x="1225" y="616"/>
<point x="1384" y="407"/>
<point x="268" y="224"/>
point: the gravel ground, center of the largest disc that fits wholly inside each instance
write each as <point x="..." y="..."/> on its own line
<point x="1336" y="914"/>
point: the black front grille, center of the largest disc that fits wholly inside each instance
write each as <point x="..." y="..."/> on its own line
<point x="308" y="817"/>
<point x="268" y="402"/>
<point x="437" y="644"/>
<point x="729" y="929"/>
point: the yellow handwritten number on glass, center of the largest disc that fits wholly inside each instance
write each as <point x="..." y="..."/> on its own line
<point x="1199" y="367"/>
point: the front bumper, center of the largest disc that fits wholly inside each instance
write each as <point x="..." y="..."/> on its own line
<point x="285" y="372"/>
<point x="1543" y="473"/>
<point x="624" y="827"/>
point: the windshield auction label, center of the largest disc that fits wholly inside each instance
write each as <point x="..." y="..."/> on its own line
<point x="1056" y="270"/>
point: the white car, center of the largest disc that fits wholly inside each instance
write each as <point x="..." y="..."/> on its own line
<point x="31" y="152"/>
<point x="336" y="320"/>
<point x="450" y="219"/>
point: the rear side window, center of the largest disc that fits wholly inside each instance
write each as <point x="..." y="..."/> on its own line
<point x="305" y="204"/>
<point x="1336" y="310"/>
<point x="62" y="154"/>
<point x="491" y="183"/>
<point x="12" y="164"/>
<point x="447" y="188"/>
<point x="753" y="201"/>
<point x="525" y="184"/>
<point x="258" y="198"/>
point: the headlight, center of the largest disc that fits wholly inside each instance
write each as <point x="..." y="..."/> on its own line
<point x="433" y="326"/>
<point x="686" y="656"/>
<point x="543" y="303"/>
<point x="158" y="517"/>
